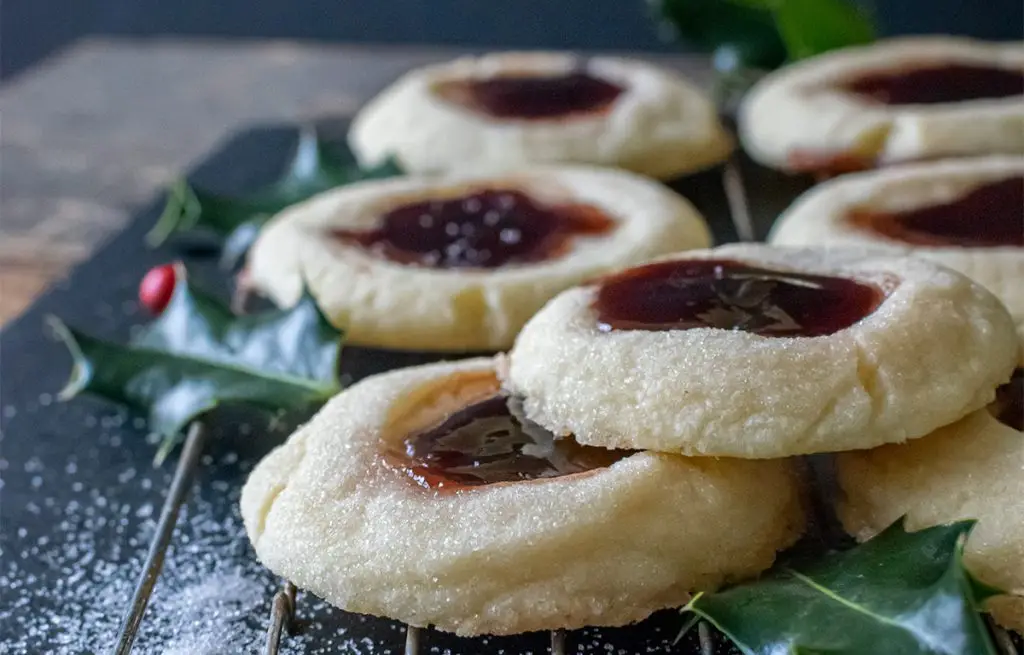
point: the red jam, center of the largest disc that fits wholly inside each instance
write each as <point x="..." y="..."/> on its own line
<point x="483" y="229"/>
<point x="492" y="441"/>
<point x="826" y="165"/>
<point x="939" y="83"/>
<point x="730" y="295"/>
<point x="533" y="96"/>
<point x="990" y="216"/>
<point x="1008" y="406"/>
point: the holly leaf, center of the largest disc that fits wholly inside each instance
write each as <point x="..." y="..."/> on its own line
<point x="313" y="168"/>
<point x="764" y="34"/>
<point x="900" y="593"/>
<point x="811" y="27"/>
<point x="739" y="35"/>
<point x="198" y="355"/>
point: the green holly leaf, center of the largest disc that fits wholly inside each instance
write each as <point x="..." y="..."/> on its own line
<point x="198" y="355"/>
<point x="741" y="36"/>
<point x="811" y="27"/>
<point x="313" y="168"/>
<point x="764" y="34"/>
<point x="900" y="593"/>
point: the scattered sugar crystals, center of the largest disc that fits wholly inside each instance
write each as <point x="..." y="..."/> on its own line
<point x="212" y="598"/>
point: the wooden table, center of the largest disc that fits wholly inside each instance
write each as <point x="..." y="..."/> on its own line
<point x="96" y="131"/>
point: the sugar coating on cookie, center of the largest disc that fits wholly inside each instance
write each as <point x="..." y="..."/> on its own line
<point x="509" y="110"/>
<point x="461" y="263"/>
<point x="760" y="352"/>
<point x="895" y="100"/>
<point x="414" y="495"/>
<point x="967" y="214"/>
<point x="972" y="469"/>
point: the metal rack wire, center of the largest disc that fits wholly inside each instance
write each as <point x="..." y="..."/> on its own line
<point x="176" y="494"/>
<point x="283" y="605"/>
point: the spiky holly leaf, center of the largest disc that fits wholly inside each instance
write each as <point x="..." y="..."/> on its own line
<point x="901" y="593"/>
<point x="313" y="168"/>
<point x="198" y="355"/>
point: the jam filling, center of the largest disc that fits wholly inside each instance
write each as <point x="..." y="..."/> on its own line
<point x="492" y="441"/>
<point x="1008" y="407"/>
<point x="533" y="96"/>
<point x="730" y="295"/>
<point x="826" y="165"/>
<point x="990" y="216"/>
<point x="938" y="84"/>
<point x="483" y="229"/>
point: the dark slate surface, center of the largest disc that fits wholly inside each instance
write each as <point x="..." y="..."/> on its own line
<point x="79" y="495"/>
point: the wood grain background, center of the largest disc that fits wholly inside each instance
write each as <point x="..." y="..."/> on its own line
<point x="92" y="134"/>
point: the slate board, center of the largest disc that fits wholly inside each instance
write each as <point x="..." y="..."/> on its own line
<point x="79" y="496"/>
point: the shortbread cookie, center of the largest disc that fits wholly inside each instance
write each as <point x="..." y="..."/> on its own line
<point x="967" y="214"/>
<point x="423" y="495"/>
<point x="753" y="351"/>
<point x="505" y="111"/>
<point x="973" y="469"/>
<point x="461" y="264"/>
<point x="892" y="101"/>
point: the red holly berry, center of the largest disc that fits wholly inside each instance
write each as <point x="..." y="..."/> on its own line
<point x="156" y="288"/>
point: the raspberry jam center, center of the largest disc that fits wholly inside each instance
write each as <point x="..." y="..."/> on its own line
<point x="990" y="216"/>
<point x="533" y="96"/>
<point x="1008" y="407"/>
<point x="938" y="84"/>
<point x="482" y="229"/>
<point x="491" y="441"/>
<point x="730" y="295"/>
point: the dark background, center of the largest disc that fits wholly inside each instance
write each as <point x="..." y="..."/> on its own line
<point x="32" y="29"/>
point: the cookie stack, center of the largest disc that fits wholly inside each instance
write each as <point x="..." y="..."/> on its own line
<point x="636" y="445"/>
<point x="951" y="112"/>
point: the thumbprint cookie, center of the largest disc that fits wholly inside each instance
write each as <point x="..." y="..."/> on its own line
<point x="967" y="214"/>
<point x="972" y="469"/>
<point x="891" y="101"/>
<point x="425" y="495"/>
<point x="508" y="110"/>
<point x="460" y="264"/>
<point x="759" y="352"/>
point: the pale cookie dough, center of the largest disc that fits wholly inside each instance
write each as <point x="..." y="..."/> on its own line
<point x="602" y="547"/>
<point x="800" y="113"/>
<point x="384" y="303"/>
<point x="973" y="469"/>
<point x="934" y="350"/>
<point x="822" y="217"/>
<point x="659" y="125"/>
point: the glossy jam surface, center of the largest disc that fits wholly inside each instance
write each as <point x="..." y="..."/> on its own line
<point x="1008" y="406"/>
<point x="533" y="96"/>
<point x="482" y="229"/>
<point x="491" y="441"/>
<point x="938" y="83"/>
<point x="729" y="295"/>
<point x="990" y="216"/>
